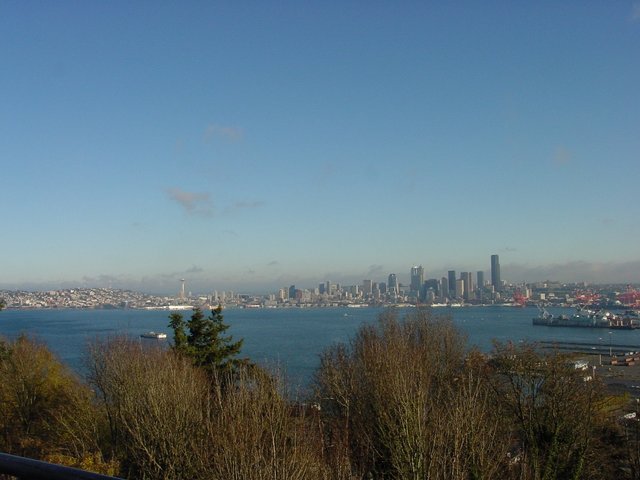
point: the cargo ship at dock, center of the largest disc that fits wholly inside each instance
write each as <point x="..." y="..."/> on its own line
<point x="586" y="318"/>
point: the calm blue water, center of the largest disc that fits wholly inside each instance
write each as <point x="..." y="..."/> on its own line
<point x="291" y="338"/>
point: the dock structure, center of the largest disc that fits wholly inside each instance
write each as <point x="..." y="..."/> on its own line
<point x="618" y="354"/>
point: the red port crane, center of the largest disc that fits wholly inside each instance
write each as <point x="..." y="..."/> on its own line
<point x="631" y="297"/>
<point x="519" y="299"/>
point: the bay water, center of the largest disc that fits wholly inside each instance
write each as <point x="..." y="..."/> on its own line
<point x="291" y="339"/>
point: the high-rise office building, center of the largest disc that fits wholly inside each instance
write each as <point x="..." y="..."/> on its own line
<point x="367" y="287"/>
<point x="495" y="273"/>
<point x="392" y="284"/>
<point x="459" y="288"/>
<point x="430" y="296"/>
<point x="480" y="284"/>
<point x="432" y="284"/>
<point x="468" y="284"/>
<point x="444" y="287"/>
<point x="417" y="278"/>
<point x="452" y="282"/>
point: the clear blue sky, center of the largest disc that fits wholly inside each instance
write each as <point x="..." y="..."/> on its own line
<point x="251" y="145"/>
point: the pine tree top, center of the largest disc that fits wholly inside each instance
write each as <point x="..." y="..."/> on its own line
<point x="203" y="339"/>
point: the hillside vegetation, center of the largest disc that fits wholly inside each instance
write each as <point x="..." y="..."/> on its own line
<point x="404" y="399"/>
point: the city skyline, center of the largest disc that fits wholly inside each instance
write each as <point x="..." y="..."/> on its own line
<point x="376" y="274"/>
<point x="251" y="147"/>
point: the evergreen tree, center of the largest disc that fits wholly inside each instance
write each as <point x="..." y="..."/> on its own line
<point x="203" y="340"/>
<point x="178" y="324"/>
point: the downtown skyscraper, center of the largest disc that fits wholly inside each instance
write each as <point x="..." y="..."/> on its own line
<point x="417" y="278"/>
<point x="451" y="275"/>
<point x="495" y="273"/>
<point x="392" y="284"/>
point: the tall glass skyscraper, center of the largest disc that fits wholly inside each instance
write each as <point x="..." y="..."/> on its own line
<point x="392" y="283"/>
<point x="417" y="278"/>
<point x="495" y="273"/>
<point x="444" y="287"/>
<point x="468" y="284"/>
<point x="480" y="284"/>
<point x="452" y="282"/>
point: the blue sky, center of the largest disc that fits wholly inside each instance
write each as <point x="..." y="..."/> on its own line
<point x="251" y="145"/>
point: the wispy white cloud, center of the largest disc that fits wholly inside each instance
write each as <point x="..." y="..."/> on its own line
<point x="213" y="130"/>
<point x="193" y="203"/>
<point x="200" y="203"/>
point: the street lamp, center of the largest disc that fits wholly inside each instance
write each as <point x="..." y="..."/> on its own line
<point x="600" y="349"/>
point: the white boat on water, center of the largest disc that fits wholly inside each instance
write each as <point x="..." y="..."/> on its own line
<point x="156" y="335"/>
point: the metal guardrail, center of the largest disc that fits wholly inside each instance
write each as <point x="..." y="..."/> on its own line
<point x="30" y="469"/>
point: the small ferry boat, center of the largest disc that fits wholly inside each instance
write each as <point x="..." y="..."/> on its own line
<point x="156" y="335"/>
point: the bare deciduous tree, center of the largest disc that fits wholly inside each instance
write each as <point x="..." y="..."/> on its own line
<point x="158" y="406"/>
<point x="400" y="398"/>
<point x="259" y="433"/>
<point x="172" y="420"/>
<point x="554" y="408"/>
